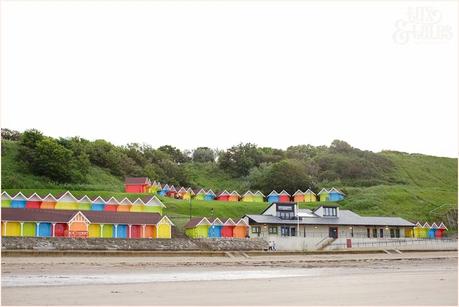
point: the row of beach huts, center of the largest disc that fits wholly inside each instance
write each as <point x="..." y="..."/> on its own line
<point x="144" y="185"/>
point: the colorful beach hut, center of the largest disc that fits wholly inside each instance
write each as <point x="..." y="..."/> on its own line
<point x="258" y="197"/>
<point x="181" y="192"/>
<point x="98" y="204"/>
<point x="215" y="229"/>
<point x="66" y="201"/>
<point x="228" y="227"/>
<point x="19" y="201"/>
<point x="210" y="195"/>
<point x="154" y="188"/>
<point x="234" y="196"/>
<point x="197" y="227"/>
<point x="309" y="196"/>
<point x="48" y="202"/>
<point x="323" y="195"/>
<point x="6" y="200"/>
<point x="137" y="205"/>
<point x="335" y="195"/>
<point x="125" y="205"/>
<point x="172" y="192"/>
<point x="152" y="204"/>
<point x="425" y="230"/>
<point x="248" y="196"/>
<point x="241" y="229"/>
<point x="273" y="197"/>
<point x="298" y="196"/>
<point x="417" y="229"/>
<point x="223" y="196"/>
<point x="164" y="190"/>
<point x="440" y="231"/>
<point x="34" y="201"/>
<point x="284" y="196"/>
<point x="113" y="203"/>
<point x="137" y="184"/>
<point x="432" y="230"/>
<point x="200" y="194"/>
<point x="189" y="194"/>
<point x="84" y="203"/>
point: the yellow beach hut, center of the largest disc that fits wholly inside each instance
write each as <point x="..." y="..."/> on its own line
<point x="248" y="196"/>
<point x="309" y="196"/>
<point x="66" y="201"/>
<point x="258" y="197"/>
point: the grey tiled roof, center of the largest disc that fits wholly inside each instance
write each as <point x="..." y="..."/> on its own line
<point x="346" y="217"/>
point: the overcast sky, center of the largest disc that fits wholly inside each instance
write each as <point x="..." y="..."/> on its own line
<point x="379" y="75"/>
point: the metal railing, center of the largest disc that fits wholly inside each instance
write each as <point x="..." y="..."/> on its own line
<point x="397" y="242"/>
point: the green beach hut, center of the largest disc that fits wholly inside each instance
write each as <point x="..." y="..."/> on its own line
<point x="323" y="195"/>
<point x="6" y="200"/>
<point x="197" y="227"/>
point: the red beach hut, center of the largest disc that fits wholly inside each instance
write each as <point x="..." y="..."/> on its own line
<point x="223" y="196"/>
<point x="34" y="201"/>
<point x="284" y="196"/>
<point x="137" y="184"/>
<point x="228" y="227"/>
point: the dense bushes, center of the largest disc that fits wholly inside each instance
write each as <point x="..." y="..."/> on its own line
<point x="297" y="167"/>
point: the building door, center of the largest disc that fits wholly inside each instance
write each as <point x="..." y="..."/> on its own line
<point x="333" y="232"/>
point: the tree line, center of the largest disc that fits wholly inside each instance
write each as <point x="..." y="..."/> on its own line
<point x="67" y="160"/>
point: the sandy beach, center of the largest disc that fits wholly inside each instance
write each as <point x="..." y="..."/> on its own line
<point x="421" y="278"/>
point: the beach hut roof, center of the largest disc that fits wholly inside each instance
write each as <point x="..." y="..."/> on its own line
<point x="6" y="196"/>
<point x="136" y="180"/>
<point x="166" y="219"/>
<point x="298" y="192"/>
<point x="242" y="222"/>
<point x="335" y="191"/>
<point x="125" y="201"/>
<point x="442" y="226"/>
<point x="190" y="190"/>
<point x="67" y="196"/>
<point x="34" y="197"/>
<point x="258" y="193"/>
<point x="273" y="193"/>
<point x="210" y="192"/>
<point x="248" y="193"/>
<point x="202" y="191"/>
<point x="112" y="200"/>
<point x="426" y="225"/>
<point x="166" y="187"/>
<point x="235" y="193"/>
<point x="196" y="221"/>
<point x="85" y="199"/>
<point x="95" y="217"/>
<point x="19" y="195"/>
<point x="434" y="225"/>
<point x="229" y="222"/>
<point x="76" y="215"/>
<point x="172" y="189"/>
<point x="49" y="198"/>
<point x="152" y="200"/>
<point x="418" y="224"/>
<point x="309" y="191"/>
<point x="138" y="202"/>
<point x="284" y="193"/>
<point x="182" y="190"/>
<point x="99" y="199"/>
<point x="324" y="190"/>
<point x="225" y="192"/>
<point x="215" y="221"/>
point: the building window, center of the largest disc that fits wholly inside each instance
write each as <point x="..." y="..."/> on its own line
<point x="381" y="233"/>
<point x="293" y="232"/>
<point x="368" y="232"/>
<point x="375" y="233"/>
<point x="256" y="229"/>
<point x="272" y="230"/>
<point x="397" y="233"/>
<point x="392" y="233"/>
<point x="285" y="231"/>
<point x="330" y="211"/>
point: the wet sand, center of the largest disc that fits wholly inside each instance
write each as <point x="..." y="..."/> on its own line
<point x="360" y="279"/>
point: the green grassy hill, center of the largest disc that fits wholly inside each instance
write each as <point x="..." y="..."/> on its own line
<point x="426" y="189"/>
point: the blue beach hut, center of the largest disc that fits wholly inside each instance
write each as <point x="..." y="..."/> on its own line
<point x="121" y="231"/>
<point x="19" y="201"/>
<point x="215" y="229"/>
<point x="335" y="195"/>
<point x="44" y="230"/>
<point x="273" y="197"/>
<point x="98" y="204"/>
<point x="432" y="230"/>
<point x="164" y="190"/>
<point x="210" y="195"/>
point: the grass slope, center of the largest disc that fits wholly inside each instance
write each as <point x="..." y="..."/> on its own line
<point x="427" y="192"/>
